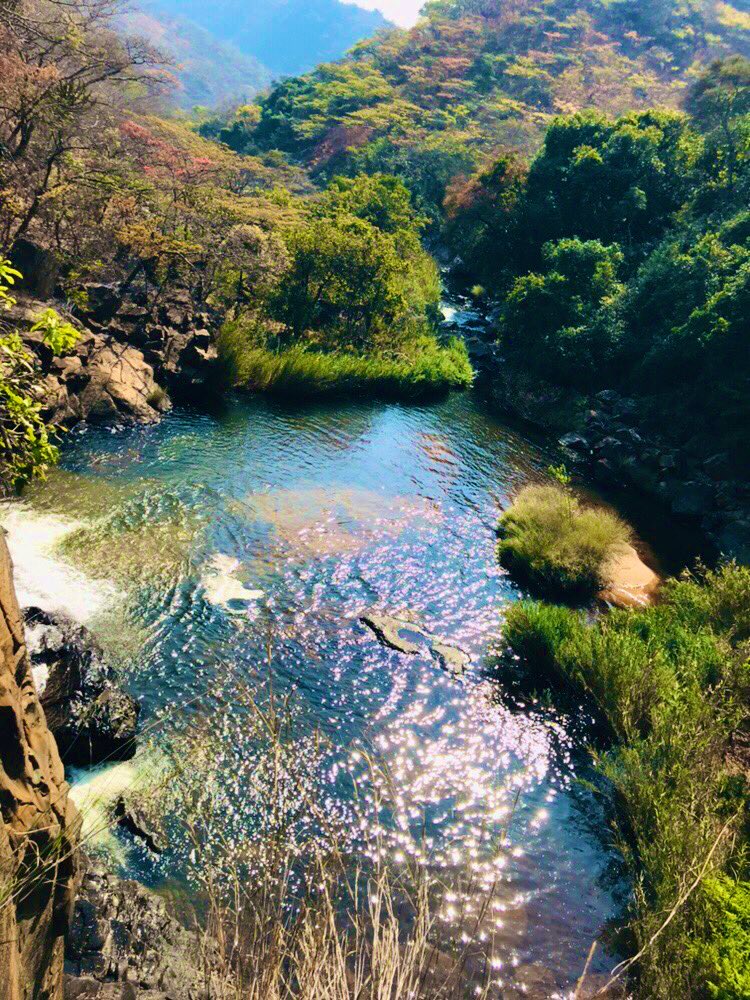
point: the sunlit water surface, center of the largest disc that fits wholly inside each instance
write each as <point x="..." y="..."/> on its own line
<point x="244" y="546"/>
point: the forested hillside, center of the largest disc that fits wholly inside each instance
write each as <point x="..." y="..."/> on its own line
<point x="476" y="75"/>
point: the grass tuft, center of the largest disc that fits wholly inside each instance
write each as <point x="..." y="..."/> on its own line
<point x="557" y="546"/>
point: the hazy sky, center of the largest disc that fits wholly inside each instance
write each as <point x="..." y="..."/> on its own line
<point x="401" y="11"/>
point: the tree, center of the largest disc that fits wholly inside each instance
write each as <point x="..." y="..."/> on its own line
<point x="564" y="322"/>
<point x="718" y="102"/>
<point x="63" y="72"/>
<point x="344" y="282"/>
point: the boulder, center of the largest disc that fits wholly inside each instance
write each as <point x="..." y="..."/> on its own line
<point x="92" y="719"/>
<point x="123" y="936"/>
<point x="38" y="823"/>
<point x="40" y="268"/>
<point x="631" y="583"/>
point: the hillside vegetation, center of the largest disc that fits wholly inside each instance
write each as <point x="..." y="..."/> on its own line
<point x="620" y="258"/>
<point x="476" y="75"/>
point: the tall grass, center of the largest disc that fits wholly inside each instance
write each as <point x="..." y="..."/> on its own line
<point x="290" y="907"/>
<point x="673" y="684"/>
<point x="425" y="369"/>
<point x="549" y="540"/>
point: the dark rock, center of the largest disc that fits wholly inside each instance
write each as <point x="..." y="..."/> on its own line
<point x="40" y="268"/>
<point x="134" y="818"/>
<point x="123" y="935"/>
<point x="91" y="718"/>
<point x="103" y="301"/>
<point x="693" y="498"/>
<point x="576" y="443"/>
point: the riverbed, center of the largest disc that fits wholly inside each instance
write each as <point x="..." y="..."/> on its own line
<point x="241" y="548"/>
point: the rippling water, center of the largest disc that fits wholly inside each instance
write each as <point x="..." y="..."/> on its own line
<point x="217" y="539"/>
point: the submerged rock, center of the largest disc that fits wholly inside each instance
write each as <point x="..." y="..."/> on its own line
<point x="390" y="632"/>
<point x="92" y="719"/>
<point x="134" y="818"/>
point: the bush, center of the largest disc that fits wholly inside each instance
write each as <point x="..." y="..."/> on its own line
<point x="556" y="545"/>
<point x="727" y="957"/>
<point x="673" y="684"/>
<point x="427" y="369"/>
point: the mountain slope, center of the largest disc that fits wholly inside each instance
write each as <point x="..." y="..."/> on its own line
<point x="208" y="71"/>
<point x="287" y="36"/>
<point x="475" y="75"/>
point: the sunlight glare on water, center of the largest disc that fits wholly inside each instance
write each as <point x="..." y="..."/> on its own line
<point x="267" y="528"/>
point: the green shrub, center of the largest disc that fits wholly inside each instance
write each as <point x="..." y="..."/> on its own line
<point x="556" y="545"/>
<point x="426" y="369"/>
<point x="673" y="683"/>
<point x="726" y="957"/>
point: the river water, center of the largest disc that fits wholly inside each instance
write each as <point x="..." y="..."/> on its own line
<point x="245" y="545"/>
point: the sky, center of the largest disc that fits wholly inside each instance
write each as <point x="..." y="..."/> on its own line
<point x="403" y="12"/>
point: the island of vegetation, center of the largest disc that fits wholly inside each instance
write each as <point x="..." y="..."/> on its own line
<point x="557" y="545"/>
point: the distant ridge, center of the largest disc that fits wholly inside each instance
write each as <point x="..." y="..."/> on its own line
<point x="285" y="36"/>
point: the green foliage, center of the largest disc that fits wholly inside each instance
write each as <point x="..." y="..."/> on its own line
<point x="726" y="955"/>
<point x="26" y="448"/>
<point x="672" y="681"/>
<point x="58" y="333"/>
<point x="564" y="322"/>
<point x="548" y="539"/>
<point x="8" y="276"/>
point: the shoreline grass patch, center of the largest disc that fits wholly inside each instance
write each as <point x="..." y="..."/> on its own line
<point x="425" y="370"/>
<point x="557" y="546"/>
<point x="673" y="684"/>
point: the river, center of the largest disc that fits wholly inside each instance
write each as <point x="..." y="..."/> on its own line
<point x="244" y="545"/>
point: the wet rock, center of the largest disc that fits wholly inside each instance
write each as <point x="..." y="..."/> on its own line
<point x="134" y="818"/>
<point x="92" y="719"/>
<point x="452" y="658"/>
<point x="390" y="632"/>
<point x="123" y="937"/>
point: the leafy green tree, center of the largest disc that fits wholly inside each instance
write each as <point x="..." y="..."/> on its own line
<point x="616" y="181"/>
<point x="343" y="281"/>
<point x="720" y="103"/>
<point x="564" y="322"/>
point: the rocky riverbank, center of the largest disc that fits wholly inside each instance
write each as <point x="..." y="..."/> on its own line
<point x="133" y="356"/>
<point x="610" y="438"/>
<point x="38" y="823"/>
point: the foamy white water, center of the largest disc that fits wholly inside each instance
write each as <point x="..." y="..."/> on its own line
<point x="43" y="579"/>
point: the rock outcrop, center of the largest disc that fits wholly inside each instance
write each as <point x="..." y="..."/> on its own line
<point x="100" y="381"/>
<point x="92" y="719"/>
<point x="124" y="944"/>
<point x="131" y="356"/>
<point x="38" y="824"/>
